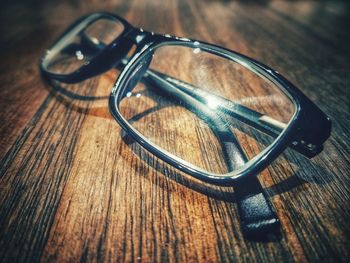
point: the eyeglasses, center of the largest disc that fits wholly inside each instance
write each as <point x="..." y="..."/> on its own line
<point x="212" y="113"/>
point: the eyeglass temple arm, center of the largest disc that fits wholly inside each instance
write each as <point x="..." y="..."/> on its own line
<point x="257" y="214"/>
<point x="253" y="118"/>
<point x="257" y="120"/>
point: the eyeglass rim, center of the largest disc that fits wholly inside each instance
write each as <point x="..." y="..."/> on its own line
<point x="252" y="167"/>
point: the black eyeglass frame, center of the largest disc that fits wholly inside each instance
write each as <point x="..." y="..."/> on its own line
<point x="307" y="130"/>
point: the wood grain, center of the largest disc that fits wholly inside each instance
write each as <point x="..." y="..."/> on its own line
<point x="74" y="187"/>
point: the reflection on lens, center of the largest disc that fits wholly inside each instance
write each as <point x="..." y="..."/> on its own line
<point x="81" y="44"/>
<point x="209" y="111"/>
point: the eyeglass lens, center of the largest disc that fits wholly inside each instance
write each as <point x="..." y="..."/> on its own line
<point x="209" y="111"/>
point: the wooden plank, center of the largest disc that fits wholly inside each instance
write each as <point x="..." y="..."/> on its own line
<point x="74" y="187"/>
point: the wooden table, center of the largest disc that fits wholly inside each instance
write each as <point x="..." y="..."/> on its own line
<point x="71" y="189"/>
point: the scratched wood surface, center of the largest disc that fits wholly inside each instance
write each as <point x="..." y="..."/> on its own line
<point x="73" y="187"/>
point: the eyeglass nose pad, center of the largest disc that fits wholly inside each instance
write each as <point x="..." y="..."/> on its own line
<point x="138" y="73"/>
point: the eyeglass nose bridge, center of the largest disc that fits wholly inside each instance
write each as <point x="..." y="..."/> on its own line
<point x="138" y="73"/>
